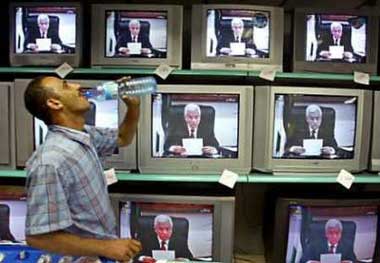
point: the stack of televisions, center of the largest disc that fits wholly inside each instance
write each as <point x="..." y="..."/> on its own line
<point x="263" y="127"/>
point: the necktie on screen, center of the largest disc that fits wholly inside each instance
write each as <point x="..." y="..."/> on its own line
<point x="192" y="133"/>
<point x="134" y="38"/>
<point x="313" y="134"/>
<point x="163" y="245"/>
<point x="331" y="249"/>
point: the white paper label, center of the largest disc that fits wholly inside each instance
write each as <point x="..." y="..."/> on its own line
<point x="110" y="176"/>
<point x="163" y="71"/>
<point x="361" y="78"/>
<point x="312" y="147"/>
<point x="237" y="49"/>
<point x="63" y="70"/>
<point x="345" y="178"/>
<point x="44" y="44"/>
<point x="163" y="254"/>
<point x="336" y="52"/>
<point x="134" y="48"/>
<point x="268" y="74"/>
<point x="331" y="258"/>
<point x="228" y="178"/>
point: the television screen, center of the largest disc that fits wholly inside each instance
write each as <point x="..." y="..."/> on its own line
<point x="336" y="38"/>
<point x="12" y="217"/>
<point x="102" y="113"/>
<point x="331" y="234"/>
<point x="194" y="125"/>
<point x="136" y="33"/>
<point x="314" y="126"/>
<point x="45" y="29"/>
<point x="169" y="230"/>
<point x="238" y="32"/>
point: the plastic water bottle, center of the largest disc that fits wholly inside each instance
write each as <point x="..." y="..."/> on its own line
<point x="110" y="90"/>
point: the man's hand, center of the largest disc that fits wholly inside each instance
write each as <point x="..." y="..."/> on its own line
<point x="146" y="51"/>
<point x="122" y="249"/>
<point x="32" y="47"/>
<point x="325" y="54"/>
<point x="209" y="150"/>
<point x="225" y="50"/>
<point x="250" y="51"/>
<point x="56" y="47"/>
<point x="347" y="54"/>
<point x="146" y="259"/>
<point x="124" y="51"/>
<point x="328" y="150"/>
<point x="297" y="149"/>
<point x="177" y="149"/>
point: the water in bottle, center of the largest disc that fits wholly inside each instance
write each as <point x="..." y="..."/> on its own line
<point x="112" y="89"/>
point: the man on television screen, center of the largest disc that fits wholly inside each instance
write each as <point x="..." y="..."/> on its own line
<point x="134" y="42"/>
<point x="331" y="246"/>
<point x="164" y="241"/>
<point x="335" y="45"/>
<point x="190" y="131"/>
<point x="68" y="207"/>
<point x="314" y="139"/>
<point x="43" y="38"/>
<point x="239" y="43"/>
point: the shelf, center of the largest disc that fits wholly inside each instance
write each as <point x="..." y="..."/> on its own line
<point x="185" y="72"/>
<point x="251" y="178"/>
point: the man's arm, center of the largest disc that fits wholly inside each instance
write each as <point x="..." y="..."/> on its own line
<point x="68" y="244"/>
<point x="127" y="128"/>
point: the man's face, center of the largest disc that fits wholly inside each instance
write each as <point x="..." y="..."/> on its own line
<point x="68" y="94"/>
<point x="43" y="25"/>
<point x="134" y="29"/>
<point x="333" y="235"/>
<point x="314" y="119"/>
<point x="336" y="32"/>
<point x="192" y="119"/>
<point x="164" y="231"/>
<point x="237" y="28"/>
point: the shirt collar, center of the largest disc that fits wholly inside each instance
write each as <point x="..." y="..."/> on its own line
<point x="76" y="135"/>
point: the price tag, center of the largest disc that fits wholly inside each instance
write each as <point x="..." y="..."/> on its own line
<point x="361" y="78"/>
<point x="228" y="178"/>
<point x="163" y="71"/>
<point x="63" y="70"/>
<point x="268" y="74"/>
<point x="110" y="176"/>
<point x="345" y="178"/>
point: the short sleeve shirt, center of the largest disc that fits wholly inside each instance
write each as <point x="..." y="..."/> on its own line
<point x="66" y="185"/>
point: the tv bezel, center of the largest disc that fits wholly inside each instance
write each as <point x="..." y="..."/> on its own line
<point x="126" y="159"/>
<point x="199" y="59"/>
<point x="7" y="133"/>
<point x="281" y="223"/>
<point x="299" y="51"/>
<point x="50" y="59"/>
<point x="149" y="164"/>
<point x="375" y="148"/>
<point x="263" y="133"/>
<point x="174" y="36"/>
<point x="223" y="217"/>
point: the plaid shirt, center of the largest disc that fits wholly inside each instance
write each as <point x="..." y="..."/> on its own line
<point x="66" y="186"/>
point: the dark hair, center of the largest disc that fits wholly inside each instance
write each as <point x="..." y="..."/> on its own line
<point x="35" y="97"/>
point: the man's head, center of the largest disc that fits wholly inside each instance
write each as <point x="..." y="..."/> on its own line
<point x="43" y="22"/>
<point x="314" y="116"/>
<point x="192" y="114"/>
<point x="134" y="27"/>
<point x="336" y="30"/>
<point x="45" y="97"/>
<point x="237" y="26"/>
<point x="333" y="231"/>
<point x="163" y="226"/>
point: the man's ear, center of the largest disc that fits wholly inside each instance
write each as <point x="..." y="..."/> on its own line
<point x="54" y="104"/>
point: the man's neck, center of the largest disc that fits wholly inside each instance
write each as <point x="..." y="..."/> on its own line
<point x="75" y="122"/>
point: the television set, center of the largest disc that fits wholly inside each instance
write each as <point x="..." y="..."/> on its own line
<point x="240" y="37"/>
<point x="335" y="229"/>
<point x="12" y="215"/>
<point x="335" y="41"/>
<point x="47" y="34"/>
<point x="136" y="35"/>
<point x="203" y="224"/>
<point x="30" y="131"/>
<point x="7" y="138"/>
<point x="375" y="150"/>
<point x="183" y="129"/>
<point x="311" y="130"/>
